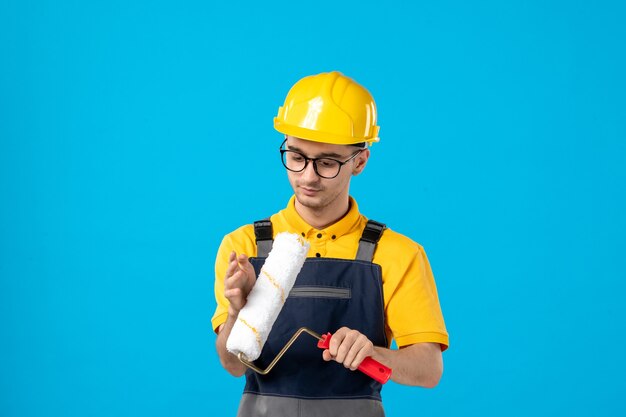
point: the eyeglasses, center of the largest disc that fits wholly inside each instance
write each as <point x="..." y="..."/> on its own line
<point x="324" y="167"/>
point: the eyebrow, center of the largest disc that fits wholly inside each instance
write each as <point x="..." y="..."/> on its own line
<point x="321" y="155"/>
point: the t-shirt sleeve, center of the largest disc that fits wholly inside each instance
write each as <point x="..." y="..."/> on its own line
<point x="221" y="265"/>
<point x="412" y="306"/>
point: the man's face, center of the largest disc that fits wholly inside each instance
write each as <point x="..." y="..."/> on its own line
<point x="318" y="193"/>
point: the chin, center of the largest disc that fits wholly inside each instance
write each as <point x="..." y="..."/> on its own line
<point x="310" y="202"/>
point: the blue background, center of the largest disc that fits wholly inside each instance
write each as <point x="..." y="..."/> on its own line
<point x="134" y="135"/>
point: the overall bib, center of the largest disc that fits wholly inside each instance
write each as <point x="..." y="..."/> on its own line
<point x="328" y="294"/>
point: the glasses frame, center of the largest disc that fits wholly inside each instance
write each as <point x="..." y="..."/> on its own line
<point x="314" y="160"/>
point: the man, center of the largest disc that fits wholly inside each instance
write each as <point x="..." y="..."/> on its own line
<point x="362" y="282"/>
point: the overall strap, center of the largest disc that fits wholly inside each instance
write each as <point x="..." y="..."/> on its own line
<point x="370" y="237"/>
<point x="263" y="234"/>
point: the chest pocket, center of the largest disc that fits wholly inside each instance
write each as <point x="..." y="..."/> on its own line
<point x="320" y="292"/>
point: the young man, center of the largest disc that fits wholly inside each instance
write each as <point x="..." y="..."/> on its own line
<point x="362" y="282"/>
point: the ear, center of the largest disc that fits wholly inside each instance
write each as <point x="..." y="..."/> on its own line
<point x="360" y="162"/>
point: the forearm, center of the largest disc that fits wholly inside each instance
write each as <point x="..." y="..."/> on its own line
<point x="420" y="364"/>
<point x="230" y="362"/>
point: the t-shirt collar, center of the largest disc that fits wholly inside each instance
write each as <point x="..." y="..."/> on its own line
<point x="337" y="229"/>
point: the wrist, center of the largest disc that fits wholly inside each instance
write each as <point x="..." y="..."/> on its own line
<point x="380" y="354"/>
<point x="232" y="312"/>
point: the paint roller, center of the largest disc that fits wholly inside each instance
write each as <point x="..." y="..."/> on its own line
<point x="266" y="299"/>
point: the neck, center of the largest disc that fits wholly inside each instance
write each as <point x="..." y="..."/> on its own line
<point x="323" y="217"/>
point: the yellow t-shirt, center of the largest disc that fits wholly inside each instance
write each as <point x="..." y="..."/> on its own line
<point x="412" y="311"/>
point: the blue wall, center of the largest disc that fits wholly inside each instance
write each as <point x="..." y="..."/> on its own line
<point x="134" y="135"/>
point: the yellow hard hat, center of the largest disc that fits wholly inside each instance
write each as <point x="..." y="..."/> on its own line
<point x="330" y="108"/>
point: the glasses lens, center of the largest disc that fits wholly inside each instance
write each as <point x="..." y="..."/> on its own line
<point x="293" y="161"/>
<point x="327" y="168"/>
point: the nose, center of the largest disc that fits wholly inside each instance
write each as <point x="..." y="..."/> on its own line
<point x="309" y="173"/>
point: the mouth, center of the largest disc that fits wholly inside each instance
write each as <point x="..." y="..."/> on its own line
<point x="309" y="191"/>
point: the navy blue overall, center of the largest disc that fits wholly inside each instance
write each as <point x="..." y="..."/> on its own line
<point x="328" y="294"/>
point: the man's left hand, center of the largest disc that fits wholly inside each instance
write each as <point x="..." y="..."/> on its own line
<point x="348" y="347"/>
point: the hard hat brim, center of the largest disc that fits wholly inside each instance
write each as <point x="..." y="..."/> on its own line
<point x="317" y="136"/>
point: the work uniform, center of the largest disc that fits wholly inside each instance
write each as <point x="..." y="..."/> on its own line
<point x="384" y="290"/>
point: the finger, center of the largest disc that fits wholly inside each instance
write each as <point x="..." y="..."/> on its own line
<point x="352" y="353"/>
<point x="234" y="298"/>
<point x="229" y="281"/>
<point x="346" y="345"/>
<point x="232" y="264"/>
<point x="361" y="355"/>
<point x="366" y="348"/>
<point x="247" y="267"/>
<point x="326" y="355"/>
<point x="359" y="342"/>
<point x="335" y="341"/>
<point x="232" y="293"/>
<point x="234" y="281"/>
<point x="242" y="258"/>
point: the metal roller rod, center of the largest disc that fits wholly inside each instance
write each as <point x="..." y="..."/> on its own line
<point x="252" y="366"/>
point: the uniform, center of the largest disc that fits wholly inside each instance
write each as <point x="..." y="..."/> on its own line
<point x="387" y="293"/>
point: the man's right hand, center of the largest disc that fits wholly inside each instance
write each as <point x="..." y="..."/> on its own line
<point x="239" y="280"/>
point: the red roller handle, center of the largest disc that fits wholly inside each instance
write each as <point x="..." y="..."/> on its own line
<point x="369" y="366"/>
